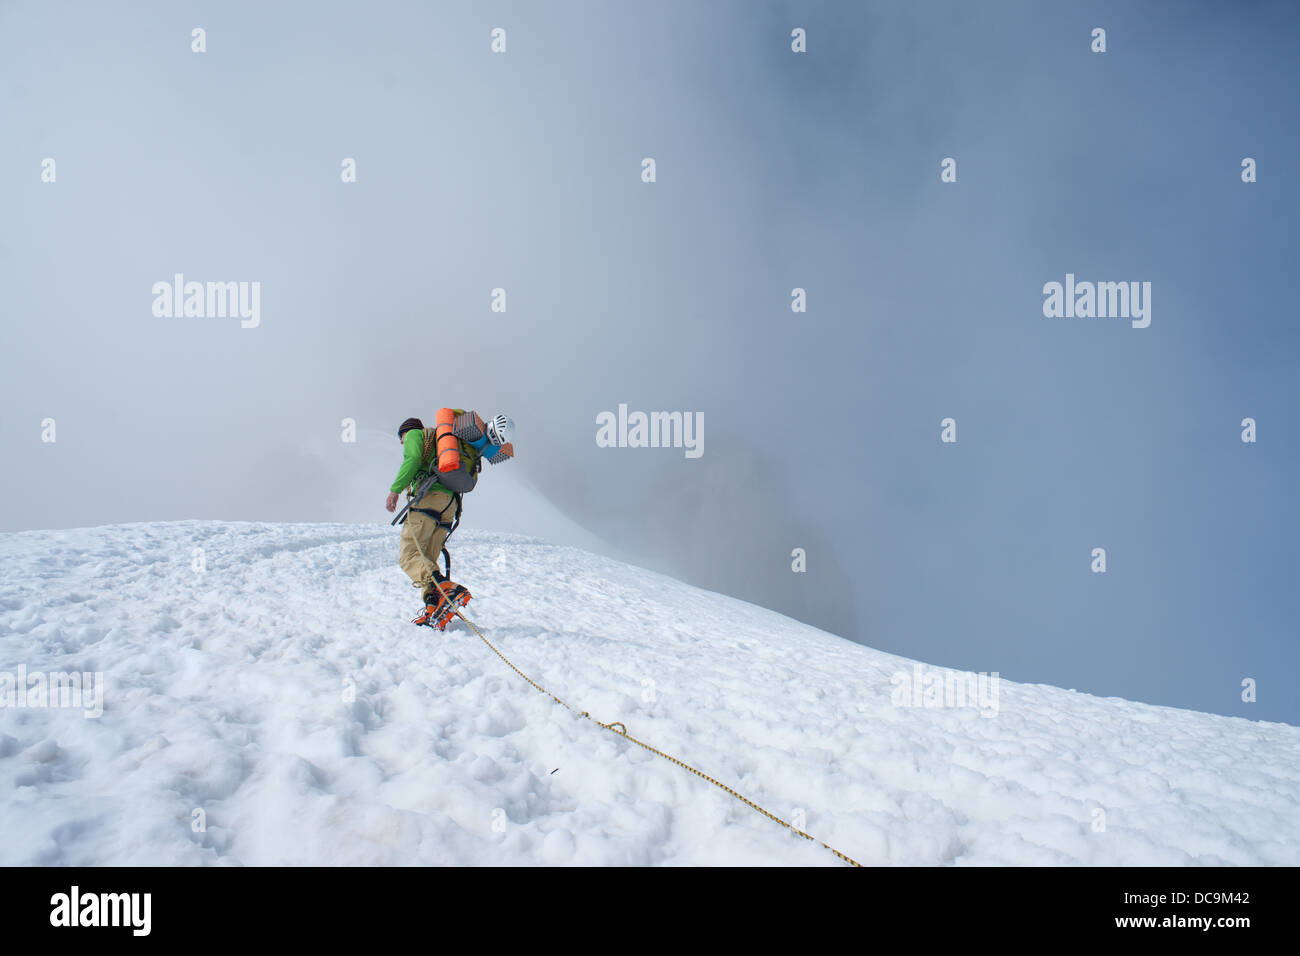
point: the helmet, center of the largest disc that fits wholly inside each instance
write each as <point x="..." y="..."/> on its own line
<point x="501" y="430"/>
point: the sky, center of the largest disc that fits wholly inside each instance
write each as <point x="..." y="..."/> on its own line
<point x="522" y="170"/>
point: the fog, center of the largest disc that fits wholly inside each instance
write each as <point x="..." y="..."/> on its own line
<point x="522" y="171"/>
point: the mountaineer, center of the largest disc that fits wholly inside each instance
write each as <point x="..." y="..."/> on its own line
<point x="439" y="466"/>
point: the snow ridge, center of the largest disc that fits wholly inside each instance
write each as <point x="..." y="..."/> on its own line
<point x="266" y="702"/>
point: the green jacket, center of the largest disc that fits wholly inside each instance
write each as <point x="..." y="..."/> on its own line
<point x="415" y="468"/>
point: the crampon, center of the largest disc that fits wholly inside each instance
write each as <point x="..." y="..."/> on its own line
<point x="438" y="615"/>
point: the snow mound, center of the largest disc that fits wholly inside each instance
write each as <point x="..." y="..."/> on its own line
<point x="266" y="702"/>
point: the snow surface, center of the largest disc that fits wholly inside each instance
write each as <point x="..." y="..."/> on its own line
<point x="227" y="693"/>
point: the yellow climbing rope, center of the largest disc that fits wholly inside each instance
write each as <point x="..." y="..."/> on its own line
<point x="614" y="727"/>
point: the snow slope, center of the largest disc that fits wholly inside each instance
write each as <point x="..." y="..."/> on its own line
<point x="227" y="692"/>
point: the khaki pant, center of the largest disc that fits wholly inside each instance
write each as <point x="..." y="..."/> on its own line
<point x="422" y="538"/>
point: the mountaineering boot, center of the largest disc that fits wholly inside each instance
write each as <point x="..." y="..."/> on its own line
<point x="454" y="596"/>
<point x="429" y="615"/>
<point x="440" y="604"/>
